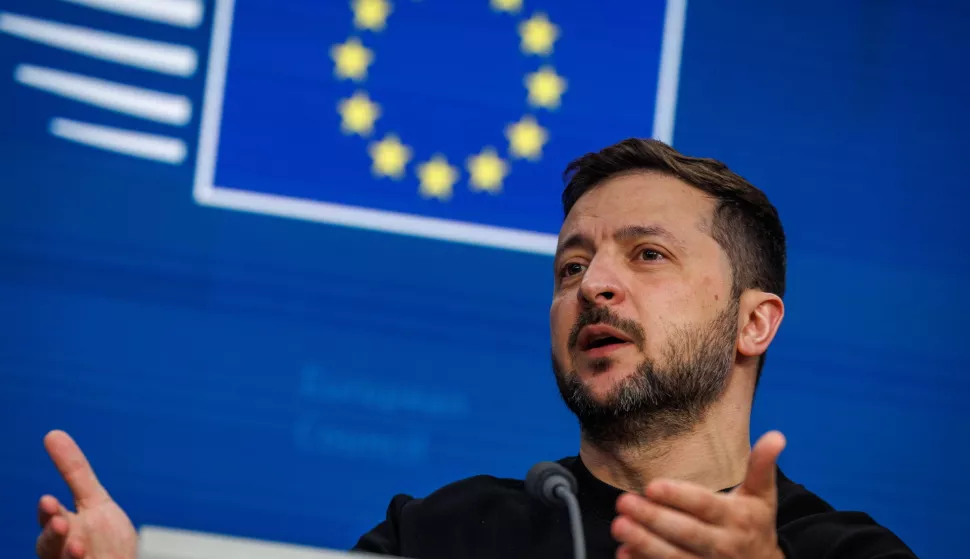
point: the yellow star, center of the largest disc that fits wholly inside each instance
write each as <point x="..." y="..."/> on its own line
<point x="390" y="157"/>
<point x="351" y="59"/>
<point x="371" y="14"/>
<point x="538" y="34"/>
<point x="511" y="6"/>
<point x="545" y="87"/>
<point x="437" y="177"/>
<point x="358" y="114"/>
<point x="487" y="171"/>
<point x="526" y="138"/>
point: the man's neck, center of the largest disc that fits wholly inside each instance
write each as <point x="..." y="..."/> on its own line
<point x="713" y="453"/>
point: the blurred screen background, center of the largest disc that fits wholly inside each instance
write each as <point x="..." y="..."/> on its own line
<point x="271" y="263"/>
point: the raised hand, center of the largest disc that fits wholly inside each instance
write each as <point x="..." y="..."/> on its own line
<point x="97" y="528"/>
<point x="680" y="520"/>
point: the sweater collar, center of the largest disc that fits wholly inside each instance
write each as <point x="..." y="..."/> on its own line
<point x="598" y="497"/>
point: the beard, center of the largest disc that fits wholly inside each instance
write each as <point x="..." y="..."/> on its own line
<point x="659" y="399"/>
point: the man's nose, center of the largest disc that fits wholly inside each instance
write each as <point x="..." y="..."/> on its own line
<point x="601" y="286"/>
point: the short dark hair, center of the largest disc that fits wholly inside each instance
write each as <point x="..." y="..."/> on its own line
<point x="745" y="223"/>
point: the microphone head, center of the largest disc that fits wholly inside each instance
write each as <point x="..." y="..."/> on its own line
<point x="543" y="479"/>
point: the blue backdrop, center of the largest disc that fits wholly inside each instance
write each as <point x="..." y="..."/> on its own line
<point x="274" y="262"/>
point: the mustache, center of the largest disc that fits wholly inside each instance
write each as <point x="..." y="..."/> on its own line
<point x="603" y="315"/>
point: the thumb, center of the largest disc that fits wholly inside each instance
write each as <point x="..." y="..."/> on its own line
<point x="74" y="468"/>
<point x="760" y="479"/>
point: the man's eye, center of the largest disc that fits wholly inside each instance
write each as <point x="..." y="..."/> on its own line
<point x="572" y="269"/>
<point x="650" y="255"/>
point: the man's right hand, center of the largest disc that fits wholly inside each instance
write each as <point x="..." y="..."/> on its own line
<point x="98" y="528"/>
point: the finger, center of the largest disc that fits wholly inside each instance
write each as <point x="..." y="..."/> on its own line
<point x="642" y="544"/>
<point x="691" y="498"/>
<point x="51" y="539"/>
<point x="75" y="548"/>
<point x="673" y="526"/>
<point x="625" y="552"/>
<point x="760" y="479"/>
<point x="74" y="468"/>
<point x="47" y="508"/>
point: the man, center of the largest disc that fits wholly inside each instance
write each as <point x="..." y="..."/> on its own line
<point x="669" y="278"/>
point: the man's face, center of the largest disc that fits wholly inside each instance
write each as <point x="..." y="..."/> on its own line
<point x="643" y="321"/>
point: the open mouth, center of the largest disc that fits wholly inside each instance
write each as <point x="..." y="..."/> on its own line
<point x="600" y="340"/>
<point x="603" y="342"/>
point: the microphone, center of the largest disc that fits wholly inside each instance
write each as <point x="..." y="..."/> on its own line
<point x="554" y="485"/>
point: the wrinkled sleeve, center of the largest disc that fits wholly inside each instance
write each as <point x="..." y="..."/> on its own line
<point x="385" y="538"/>
<point x="840" y="535"/>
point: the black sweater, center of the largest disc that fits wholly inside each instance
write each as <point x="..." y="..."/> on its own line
<point x="490" y="518"/>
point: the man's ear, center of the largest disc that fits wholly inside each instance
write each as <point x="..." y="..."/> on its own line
<point x="760" y="316"/>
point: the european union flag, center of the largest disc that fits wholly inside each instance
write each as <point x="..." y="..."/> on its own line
<point x="442" y="119"/>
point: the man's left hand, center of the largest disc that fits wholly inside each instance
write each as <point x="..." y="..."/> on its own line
<point x="681" y="520"/>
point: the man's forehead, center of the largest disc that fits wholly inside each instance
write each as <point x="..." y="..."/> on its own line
<point x="643" y="200"/>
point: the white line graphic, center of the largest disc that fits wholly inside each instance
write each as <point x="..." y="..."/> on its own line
<point x="215" y="88"/>
<point x="380" y="220"/>
<point x="141" y="53"/>
<point x="134" y="101"/>
<point x="126" y="142"/>
<point x="184" y="13"/>
<point x="665" y="109"/>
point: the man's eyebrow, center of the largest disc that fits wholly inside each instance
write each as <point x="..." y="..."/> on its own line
<point x="576" y="240"/>
<point x="632" y="232"/>
<point x="624" y="234"/>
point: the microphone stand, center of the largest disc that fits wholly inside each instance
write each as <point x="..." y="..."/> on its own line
<point x="575" y="521"/>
